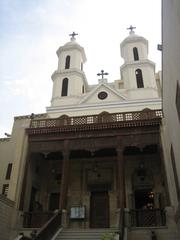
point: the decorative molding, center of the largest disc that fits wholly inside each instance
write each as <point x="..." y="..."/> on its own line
<point x="104" y="105"/>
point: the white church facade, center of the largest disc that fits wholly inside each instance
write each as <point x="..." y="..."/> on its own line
<point x="94" y="160"/>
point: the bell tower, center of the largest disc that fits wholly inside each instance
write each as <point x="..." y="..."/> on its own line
<point x="137" y="72"/>
<point x="69" y="80"/>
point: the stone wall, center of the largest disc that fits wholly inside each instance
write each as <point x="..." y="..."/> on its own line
<point x="6" y="211"/>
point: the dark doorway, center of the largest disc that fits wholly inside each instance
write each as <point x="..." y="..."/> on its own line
<point x="54" y="201"/>
<point x="144" y="199"/>
<point x="99" y="210"/>
<point x="32" y="206"/>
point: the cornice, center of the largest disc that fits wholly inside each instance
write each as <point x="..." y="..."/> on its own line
<point x="83" y="107"/>
<point x="5" y="139"/>
<point x="138" y="63"/>
<point x="34" y="116"/>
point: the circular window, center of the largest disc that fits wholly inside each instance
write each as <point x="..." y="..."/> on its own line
<point x="102" y="95"/>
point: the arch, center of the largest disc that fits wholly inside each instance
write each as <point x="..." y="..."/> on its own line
<point x="67" y="63"/>
<point x="136" y="54"/>
<point x="64" y="87"/>
<point x="139" y="78"/>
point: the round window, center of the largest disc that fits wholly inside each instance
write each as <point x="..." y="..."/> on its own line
<point x="102" y="95"/>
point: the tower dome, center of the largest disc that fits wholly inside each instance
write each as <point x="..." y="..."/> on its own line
<point x="69" y="79"/>
<point x="137" y="72"/>
<point x="134" y="47"/>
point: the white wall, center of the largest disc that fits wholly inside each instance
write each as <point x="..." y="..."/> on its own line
<point x="171" y="73"/>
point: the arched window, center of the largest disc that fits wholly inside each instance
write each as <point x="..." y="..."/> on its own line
<point x="135" y="53"/>
<point x="139" y="78"/>
<point x="83" y="89"/>
<point x="81" y="66"/>
<point x="67" y="64"/>
<point x="64" y="87"/>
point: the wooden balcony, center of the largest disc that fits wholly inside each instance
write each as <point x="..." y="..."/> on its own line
<point x="95" y="122"/>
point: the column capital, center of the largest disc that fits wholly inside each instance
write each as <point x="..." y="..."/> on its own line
<point x="119" y="150"/>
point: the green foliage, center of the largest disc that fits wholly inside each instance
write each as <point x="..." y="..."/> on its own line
<point x="108" y="236"/>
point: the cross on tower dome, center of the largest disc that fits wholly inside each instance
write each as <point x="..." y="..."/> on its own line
<point x="73" y="35"/>
<point x="102" y="74"/>
<point x="131" y="29"/>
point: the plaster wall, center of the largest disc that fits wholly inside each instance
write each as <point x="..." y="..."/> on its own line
<point x="127" y="51"/>
<point x="75" y="84"/>
<point x="171" y="73"/>
<point x="19" y="145"/>
<point x="6" y="211"/>
<point x="129" y="76"/>
<point x="171" y="70"/>
<point x="6" y="157"/>
<point x="168" y="165"/>
<point x="75" y="59"/>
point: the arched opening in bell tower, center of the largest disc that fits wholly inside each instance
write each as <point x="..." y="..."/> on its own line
<point x="67" y="63"/>
<point x="139" y="78"/>
<point x="64" y="87"/>
<point x="136" y="54"/>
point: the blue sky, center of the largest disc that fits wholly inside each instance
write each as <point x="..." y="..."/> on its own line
<point x="32" y="31"/>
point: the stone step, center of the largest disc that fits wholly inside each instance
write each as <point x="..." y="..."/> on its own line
<point x="83" y="234"/>
<point x="145" y="234"/>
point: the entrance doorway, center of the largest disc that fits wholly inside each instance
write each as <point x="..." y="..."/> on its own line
<point x="54" y="201"/>
<point x="32" y="206"/>
<point x="144" y="199"/>
<point x="99" y="210"/>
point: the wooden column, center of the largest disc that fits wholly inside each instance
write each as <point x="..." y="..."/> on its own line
<point x="120" y="178"/>
<point x="65" y="177"/>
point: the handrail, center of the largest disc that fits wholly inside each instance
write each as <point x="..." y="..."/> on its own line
<point x="40" y="218"/>
<point x="50" y="228"/>
<point x="22" y="237"/>
<point x="121" y="224"/>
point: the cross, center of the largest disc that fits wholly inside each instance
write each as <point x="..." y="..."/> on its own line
<point x="102" y="74"/>
<point x="131" y="28"/>
<point x="73" y="35"/>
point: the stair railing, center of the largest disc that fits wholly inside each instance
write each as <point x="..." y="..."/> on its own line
<point x="50" y="228"/>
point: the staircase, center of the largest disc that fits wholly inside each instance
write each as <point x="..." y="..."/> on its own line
<point x="84" y="234"/>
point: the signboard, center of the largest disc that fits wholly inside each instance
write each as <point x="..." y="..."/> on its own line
<point x="77" y="212"/>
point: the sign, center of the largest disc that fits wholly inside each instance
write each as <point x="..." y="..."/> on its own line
<point x="77" y="212"/>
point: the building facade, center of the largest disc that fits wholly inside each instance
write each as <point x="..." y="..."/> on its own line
<point x="171" y="98"/>
<point x="96" y="154"/>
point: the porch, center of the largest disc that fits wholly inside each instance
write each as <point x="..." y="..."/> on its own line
<point x="94" y="162"/>
<point x="133" y="218"/>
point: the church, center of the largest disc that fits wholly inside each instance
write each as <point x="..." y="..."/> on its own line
<point x="93" y="163"/>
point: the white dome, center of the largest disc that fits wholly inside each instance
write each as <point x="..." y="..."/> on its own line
<point x="133" y="38"/>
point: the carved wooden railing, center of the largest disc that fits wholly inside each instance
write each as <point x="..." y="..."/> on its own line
<point x="124" y="118"/>
<point x="121" y="224"/>
<point x="147" y="217"/>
